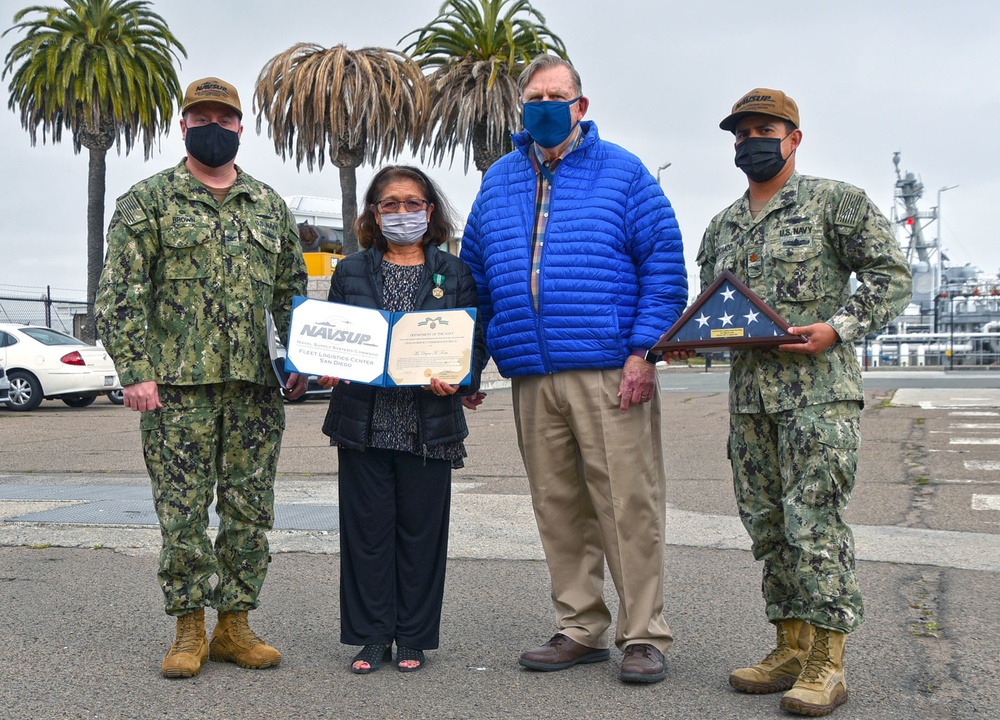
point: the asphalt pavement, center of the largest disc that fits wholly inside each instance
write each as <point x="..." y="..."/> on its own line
<point x="85" y="633"/>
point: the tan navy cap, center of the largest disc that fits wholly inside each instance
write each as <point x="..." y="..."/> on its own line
<point x="211" y="89"/>
<point x="762" y="101"/>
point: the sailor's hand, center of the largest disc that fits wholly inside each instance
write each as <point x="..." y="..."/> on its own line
<point x="142" y="396"/>
<point x="296" y="386"/>
<point x="819" y="336"/>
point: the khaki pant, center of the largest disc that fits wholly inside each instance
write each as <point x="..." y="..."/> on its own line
<point x="597" y="487"/>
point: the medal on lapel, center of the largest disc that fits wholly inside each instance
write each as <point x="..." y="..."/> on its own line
<point x="437" y="291"/>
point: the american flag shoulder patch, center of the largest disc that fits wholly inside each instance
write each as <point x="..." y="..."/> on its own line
<point x="849" y="212"/>
<point x="130" y="210"/>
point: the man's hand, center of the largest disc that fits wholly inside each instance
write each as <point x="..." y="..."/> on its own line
<point x="819" y="337"/>
<point x="142" y="396"/>
<point x="638" y="382"/>
<point x="474" y="400"/>
<point x="296" y="386"/>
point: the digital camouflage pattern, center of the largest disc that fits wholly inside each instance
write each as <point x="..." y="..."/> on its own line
<point x="187" y="280"/>
<point x="213" y="440"/>
<point x="798" y="256"/>
<point x="793" y="473"/>
<point x="795" y="418"/>
<point x="181" y="302"/>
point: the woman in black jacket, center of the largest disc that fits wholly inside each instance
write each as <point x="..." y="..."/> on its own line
<point x="397" y="446"/>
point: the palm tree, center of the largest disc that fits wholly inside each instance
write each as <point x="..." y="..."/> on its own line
<point x="104" y="70"/>
<point x="365" y="104"/>
<point x="478" y="47"/>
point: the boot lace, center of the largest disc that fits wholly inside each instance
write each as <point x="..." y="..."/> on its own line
<point x="188" y="634"/>
<point x="819" y="657"/>
<point x="783" y="646"/>
<point x="242" y="633"/>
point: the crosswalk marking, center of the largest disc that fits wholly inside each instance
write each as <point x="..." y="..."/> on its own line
<point x="974" y="441"/>
<point x="974" y="413"/>
<point x="982" y="465"/>
<point x="976" y="426"/>
<point x="967" y="481"/>
<point x="986" y="502"/>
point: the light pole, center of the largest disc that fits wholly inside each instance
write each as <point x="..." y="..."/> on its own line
<point x="951" y="330"/>
<point x="940" y="248"/>
<point x="665" y="166"/>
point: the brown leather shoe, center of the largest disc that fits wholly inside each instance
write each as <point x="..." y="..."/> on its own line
<point x="560" y="653"/>
<point x="643" y="663"/>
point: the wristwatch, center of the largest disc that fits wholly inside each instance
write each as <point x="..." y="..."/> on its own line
<point x="648" y="355"/>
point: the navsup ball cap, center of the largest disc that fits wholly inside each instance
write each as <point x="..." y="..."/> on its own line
<point x="211" y="89"/>
<point x="762" y="101"/>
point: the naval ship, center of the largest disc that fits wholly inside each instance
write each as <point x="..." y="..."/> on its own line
<point x="954" y="317"/>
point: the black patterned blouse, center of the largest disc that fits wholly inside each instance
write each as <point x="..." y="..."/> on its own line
<point x="394" y="413"/>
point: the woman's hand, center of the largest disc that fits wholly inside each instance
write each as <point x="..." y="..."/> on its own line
<point x="328" y="382"/>
<point x="443" y="389"/>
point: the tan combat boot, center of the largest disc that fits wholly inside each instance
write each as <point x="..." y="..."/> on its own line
<point x="233" y="641"/>
<point x="190" y="649"/>
<point x="781" y="667"/>
<point x="821" y="687"/>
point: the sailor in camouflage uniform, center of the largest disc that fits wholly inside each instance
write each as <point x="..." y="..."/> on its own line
<point x="795" y="411"/>
<point x="196" y="255"/>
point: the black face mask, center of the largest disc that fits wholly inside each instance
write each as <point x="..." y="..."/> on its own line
<point x="212" y="145"/>
<point x="760" y="158"/>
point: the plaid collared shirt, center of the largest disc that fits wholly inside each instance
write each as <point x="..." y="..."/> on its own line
<point x="545" y="170"/>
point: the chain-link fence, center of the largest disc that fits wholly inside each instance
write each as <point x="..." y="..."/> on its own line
<point x="65" y="315"/>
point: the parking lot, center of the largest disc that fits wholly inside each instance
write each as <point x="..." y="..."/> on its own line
<point x="74" y="544"/>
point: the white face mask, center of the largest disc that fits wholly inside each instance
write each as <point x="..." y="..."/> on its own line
<point x="404" y="228"/>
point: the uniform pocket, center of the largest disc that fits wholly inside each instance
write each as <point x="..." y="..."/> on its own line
<point x="263" y="256"/>
<point x="187" y="255"/>
<point x="799" y="273"/>
<point x="833" y="464"/>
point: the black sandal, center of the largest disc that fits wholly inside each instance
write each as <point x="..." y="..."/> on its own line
<point x="404" y="653"/>
<point x="374" y="654"/>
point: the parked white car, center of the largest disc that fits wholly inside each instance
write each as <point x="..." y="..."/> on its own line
<point x="43" y="363"/>
<point x="4" y="386"/>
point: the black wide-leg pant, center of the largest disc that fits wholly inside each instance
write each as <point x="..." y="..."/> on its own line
<point x="394" y="510"/>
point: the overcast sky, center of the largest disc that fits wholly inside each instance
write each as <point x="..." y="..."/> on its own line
<point x="871" y="77"/>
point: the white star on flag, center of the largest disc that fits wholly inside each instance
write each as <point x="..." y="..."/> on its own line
<point x="727" y="294"/>
<point x="726" y="319"/>
<point x="703" y="320"/>
<point x="751" y="317"/>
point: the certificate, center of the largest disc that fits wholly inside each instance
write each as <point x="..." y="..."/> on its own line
<point x="435" y="343"/>
<point x="380" y="348"/>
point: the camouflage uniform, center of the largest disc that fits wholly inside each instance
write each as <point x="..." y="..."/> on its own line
<point x="182" y="299"/>
<point x="795" y="419"/>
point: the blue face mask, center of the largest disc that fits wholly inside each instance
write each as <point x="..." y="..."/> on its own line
<point x="549" y="122"/>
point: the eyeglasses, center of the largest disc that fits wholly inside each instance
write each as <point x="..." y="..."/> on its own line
<point x="393" y="206"/>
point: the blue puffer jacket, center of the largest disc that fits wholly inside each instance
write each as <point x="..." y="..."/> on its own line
<point x="612" y="272"/>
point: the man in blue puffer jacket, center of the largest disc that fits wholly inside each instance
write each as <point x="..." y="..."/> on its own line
<point x="580" y="269"/>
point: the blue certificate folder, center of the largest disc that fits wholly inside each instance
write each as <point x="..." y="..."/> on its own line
<point x="376" y="347"/>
